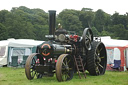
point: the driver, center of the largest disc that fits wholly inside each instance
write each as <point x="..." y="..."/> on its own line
<point x="60" y="30"/>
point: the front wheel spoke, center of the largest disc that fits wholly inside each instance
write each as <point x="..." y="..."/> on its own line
<point x="37" y="74"/>
<point x="64" y="64"/>
<point x="34" y="73"/>
<point x="68" y="62"/>
<point x="68" y="75"/>
<point x="31" y="67"/>
<point x="33" y="60"/>
<point x="64" y="76"/>
<point x="63" y="69"/>
<point x="65" y="61"/>
<point x="31" y="70"/>
<point x="70" y="68"/>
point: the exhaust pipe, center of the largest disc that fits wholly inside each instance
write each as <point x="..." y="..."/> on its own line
<point x="52" y="22"/>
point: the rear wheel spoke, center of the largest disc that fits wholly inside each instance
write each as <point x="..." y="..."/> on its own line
<point x="97" y="70"/>
<point x="102" y="57"/>
<point x="68" y="62"/>
<point x="100" y="65"/>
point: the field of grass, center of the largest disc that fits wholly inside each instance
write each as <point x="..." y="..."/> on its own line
<point x="11" y="76"/>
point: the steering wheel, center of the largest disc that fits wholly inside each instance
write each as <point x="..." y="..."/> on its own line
<point x="87" y="38"/>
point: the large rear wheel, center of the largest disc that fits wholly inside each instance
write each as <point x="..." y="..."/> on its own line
<point x="64" y="68"/>
<point x="97" y="59"/>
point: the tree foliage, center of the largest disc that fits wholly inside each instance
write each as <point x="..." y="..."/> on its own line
<point x="26" y="23"/>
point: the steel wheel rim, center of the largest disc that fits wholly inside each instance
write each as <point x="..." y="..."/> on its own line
<point x="87" y="38"/>
<point x="100" y="59"/>
<point x="30" y="66"/>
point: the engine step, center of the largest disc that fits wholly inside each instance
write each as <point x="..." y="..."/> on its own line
<point x="79" y="66"/>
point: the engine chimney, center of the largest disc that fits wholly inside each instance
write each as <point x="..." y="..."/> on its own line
<point x="52" y="22"/>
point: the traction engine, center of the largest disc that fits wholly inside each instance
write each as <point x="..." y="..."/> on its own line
<point x="66" y="53"/>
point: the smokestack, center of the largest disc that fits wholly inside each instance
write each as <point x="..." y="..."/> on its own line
<point x="52" y="22"/>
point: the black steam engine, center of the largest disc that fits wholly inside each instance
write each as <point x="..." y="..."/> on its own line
<point x="66" y="53"/>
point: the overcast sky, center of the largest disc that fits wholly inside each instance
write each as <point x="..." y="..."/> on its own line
<point x="108" y="6"/>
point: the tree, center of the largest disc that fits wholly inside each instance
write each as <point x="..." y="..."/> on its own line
<point x="23" y="22"/>
<point x="105" y="33"/>
<point x="3" y="14"/>
<point x="86" y="17"/>
<point x="86" y="9"/>
<point x="70" y="20"/>
<point x="95" y="32"/>
<point x="27" y="23"/>
<point x="119" y="32"/>
<point x="119" y="19"/>
<point x="99" y="21"/>
<point x="3" y="32"/>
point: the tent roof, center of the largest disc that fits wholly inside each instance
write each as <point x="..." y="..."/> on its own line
<point x="30" y="43"/>
<point x="4" y="43"/>
<point x="24" y="43"/>
<point x="113" y="42"/>
<point x="20" y="42"/>
<point x="126" y="45"/>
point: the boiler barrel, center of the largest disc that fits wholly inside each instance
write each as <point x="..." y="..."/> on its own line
<point x="61" y="49"/>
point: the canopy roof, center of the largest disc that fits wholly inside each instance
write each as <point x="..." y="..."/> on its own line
<point x="30" y="43"/>
<point x="20" y="42"/>
<point x="113" y="42"/>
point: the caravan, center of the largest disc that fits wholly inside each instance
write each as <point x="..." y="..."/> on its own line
<point x="19" y="48"/>
<point x="3" y="52"/>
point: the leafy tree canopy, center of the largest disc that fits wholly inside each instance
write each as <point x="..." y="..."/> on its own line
<point x="23" y="22"/>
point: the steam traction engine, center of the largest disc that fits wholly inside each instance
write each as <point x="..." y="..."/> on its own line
<point x="65" y="54"/>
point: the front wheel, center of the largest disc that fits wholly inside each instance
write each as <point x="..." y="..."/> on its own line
<point x="64" y="68"/>
<point x="33" y="60"/>
<point x="97" y="59"/>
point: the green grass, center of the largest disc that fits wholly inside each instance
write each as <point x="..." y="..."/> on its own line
<point x="11" y="76"/>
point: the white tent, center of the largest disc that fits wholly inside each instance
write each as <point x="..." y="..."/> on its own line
<point x="113" y="42"/>
<point x="16" y="47"/>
